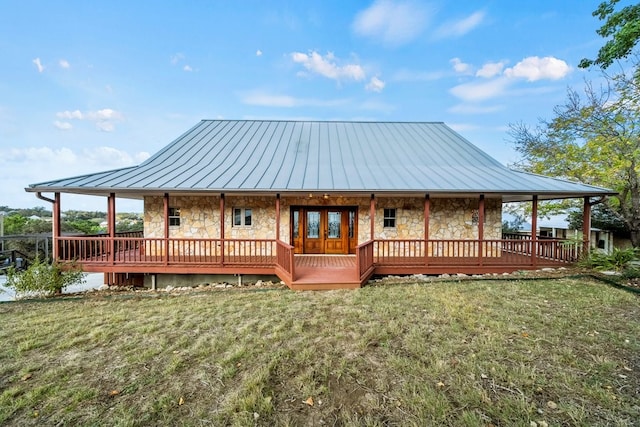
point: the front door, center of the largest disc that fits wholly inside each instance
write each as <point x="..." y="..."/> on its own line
<point x="323" y="230"/>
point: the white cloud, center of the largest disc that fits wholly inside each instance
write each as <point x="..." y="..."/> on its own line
<point x="187" y="68"/>
<point x="327" y="66"/>
<point x="490" y="69"/>
<point x="375" y="85"/>
<point x="63" y="125"/>
<point x="103" y="119"/>
<point x="392" y="22"/>
<point x="64" y="64"/>
<point x="38" y="64"/>
<point x="285" y="101"/>
<point x="258" y="52"/>
<point x="104" y="114"/>
<point x="535" y="68"/>
<point x="478" y="91"/>
<point x="176" y="58"/>
<point x="461" y="67"/>
<point x="76" y="114"/>
<point x="461" y="27"/>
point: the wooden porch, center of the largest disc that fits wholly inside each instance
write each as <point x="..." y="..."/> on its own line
<point x="133" y="254"/>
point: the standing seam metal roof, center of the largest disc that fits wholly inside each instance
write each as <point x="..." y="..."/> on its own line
<point x="255" y="155"/>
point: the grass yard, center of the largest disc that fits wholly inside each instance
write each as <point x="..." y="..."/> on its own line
<point x="469" y="353"/>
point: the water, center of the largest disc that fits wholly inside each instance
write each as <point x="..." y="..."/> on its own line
<point x="92" y="281"/>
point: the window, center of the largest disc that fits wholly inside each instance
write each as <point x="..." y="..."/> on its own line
<point x="174" y="216"/>
<point x="390" y="218"/>
<point x="241" y="217"/>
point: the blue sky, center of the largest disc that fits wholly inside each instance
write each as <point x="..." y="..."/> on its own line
<point x="90" y="86"/>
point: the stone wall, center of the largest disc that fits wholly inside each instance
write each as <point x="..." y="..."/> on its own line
<point x="200" y="217"/>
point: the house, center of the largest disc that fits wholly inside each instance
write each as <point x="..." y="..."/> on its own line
<point x="319" y="204"/>
<point x="557" y="227"/>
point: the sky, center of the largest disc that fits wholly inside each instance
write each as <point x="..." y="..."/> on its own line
<point x="91" y="86"/>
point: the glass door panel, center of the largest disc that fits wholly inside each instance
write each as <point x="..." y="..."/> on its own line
<point x="313" y="225"/>
<point x="334" y="225"/>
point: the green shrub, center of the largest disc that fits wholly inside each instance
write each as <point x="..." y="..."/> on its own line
<point x="43" y="278"/>
<point x="618" y="260"/>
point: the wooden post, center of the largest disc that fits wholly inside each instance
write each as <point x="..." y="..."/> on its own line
<point x="111" y="226"/>
<point x="586" y="226"/>
<point x="278" y="216"/>
<point x="372" y="214"/>
<point x="56" y="226"/>
<point x="480" y="228"/>
<point x="166" y="228"/>
<point x="222" y="229"/>
<point x="534" y="231"/>
<point x="427" y="214"/>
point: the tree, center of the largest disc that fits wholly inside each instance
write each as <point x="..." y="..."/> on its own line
<point x="594" y="138"/>
<point x="622" y="26"/>
<point x="601" y="217"/>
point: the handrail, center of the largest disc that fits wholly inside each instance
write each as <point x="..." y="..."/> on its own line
<point x="272" y="253"/>
<point x="285" y="259"/>
<point x="364" y="259"/>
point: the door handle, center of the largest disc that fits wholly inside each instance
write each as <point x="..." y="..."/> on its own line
<point x="325" y="234"/>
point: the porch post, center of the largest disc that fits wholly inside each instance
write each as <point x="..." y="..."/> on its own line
<point x="57" y="226"/>
<point x="221" y="228"/>
<point x="372" y="214"/>
<point x="166" y="228"/>
<point x="586" y="225"/>
<point x="278" y="216"/>
<point x="111" y="225"/>
<point x="534" y="231"/>
<point x="427" y="213"/>
<point x="480" y="227"/>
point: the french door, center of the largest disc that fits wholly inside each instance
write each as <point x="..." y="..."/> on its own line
<point x="321" y="230"/>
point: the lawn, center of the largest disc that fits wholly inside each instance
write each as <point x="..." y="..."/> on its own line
<point x="474" y="352"/>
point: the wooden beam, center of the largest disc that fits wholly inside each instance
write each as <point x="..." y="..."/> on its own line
<point x="278" y="216"/>
<point x="166" y="228"/>
<point x="427" y="215"/>
<point x="372" y="214"/>
<point x="480" y="227"/>
<point x="222" y="228"/>
<point x="586" y="225"/>
<point x="57" y="226"/>
<point x="534" y="231"/>
<point x="111" y="225"/>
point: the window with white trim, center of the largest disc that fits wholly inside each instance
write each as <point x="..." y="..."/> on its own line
<point x="242" y="217"/>
<point x="389" y="217"/>
<point x="174" y="217"/>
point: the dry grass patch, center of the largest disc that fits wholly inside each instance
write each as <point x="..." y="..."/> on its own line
<point x="560" y="351"/>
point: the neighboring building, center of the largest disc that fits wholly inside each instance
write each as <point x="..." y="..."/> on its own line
<point x="557" y="227"/>
<point x="269" y="197"/>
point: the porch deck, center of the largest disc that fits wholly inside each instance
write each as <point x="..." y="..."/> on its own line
<point x="136" y="255"/>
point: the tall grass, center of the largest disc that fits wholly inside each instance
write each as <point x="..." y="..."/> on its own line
<point x="564" y="352"/>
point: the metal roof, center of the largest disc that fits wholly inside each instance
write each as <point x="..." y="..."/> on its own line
<point x="236" y="156"/>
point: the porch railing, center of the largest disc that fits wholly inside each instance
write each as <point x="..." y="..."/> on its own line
<point x="414" y="252"/>
<point x="275" y="254"/>
<point x="364" y="259"/>
<point x="236" y="252"/>
<point x="284" y="260"/>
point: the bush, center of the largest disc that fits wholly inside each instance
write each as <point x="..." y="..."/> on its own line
<point x="618" y="260"/>
<point x="43" y="278"/>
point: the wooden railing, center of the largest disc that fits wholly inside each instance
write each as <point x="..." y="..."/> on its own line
<point x="414" y="252"/>
<point x="364" y="259"/>
<point x="278" y="255"/>
<point x="284" y="260"/>
<point x="237" y="252"/>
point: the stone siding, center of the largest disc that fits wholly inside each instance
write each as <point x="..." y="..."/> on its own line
<point x="449" y="218"/>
